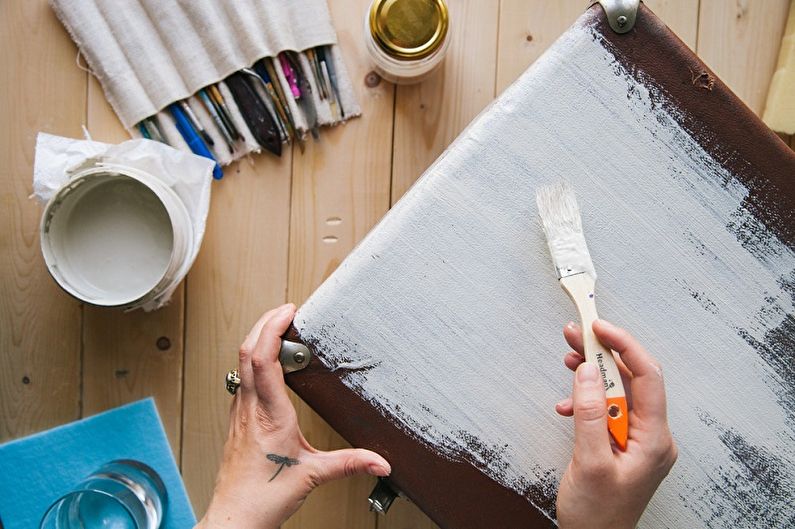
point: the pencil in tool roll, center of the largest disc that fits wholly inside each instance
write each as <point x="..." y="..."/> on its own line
<point x="560" y="217"/>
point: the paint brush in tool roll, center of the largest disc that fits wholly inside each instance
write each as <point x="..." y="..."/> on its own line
<point x="255" y="113"/>
<point x="270" y="66"/>
<point x="327" y="65"/>
<point x="219" y="122"/>
<point x="304" y="98"/>
<point x="196" y="123"/>
<point x="262" y="91"/>
<point x="277" y="102"/>
<point x="226" y="116"/>
<point x="560" y="217"/>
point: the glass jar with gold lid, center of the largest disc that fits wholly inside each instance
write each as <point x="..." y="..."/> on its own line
<point x="407" y="39"/>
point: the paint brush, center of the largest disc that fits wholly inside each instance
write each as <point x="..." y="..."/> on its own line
<point x="560" y="217"/>
<point x="143" y="130"/>
<point x="152" y="125"/>
<point x="259" y="67"/>
<point x="262" y="91"/>
<point x="196" y="123"/>
<point x="255" y="113"/>
<point x="270" y="67"/>
<point x="220" y="105"/>
<point x="328" y="64"/>
<point x="305" y="91"/>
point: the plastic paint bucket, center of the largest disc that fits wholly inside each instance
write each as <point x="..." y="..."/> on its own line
<point x="116" y="236"/>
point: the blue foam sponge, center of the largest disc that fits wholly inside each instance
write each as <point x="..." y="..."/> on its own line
<point x="36" y="470"/>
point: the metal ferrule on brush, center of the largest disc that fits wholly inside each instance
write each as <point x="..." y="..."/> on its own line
<point x="570" y="254"/>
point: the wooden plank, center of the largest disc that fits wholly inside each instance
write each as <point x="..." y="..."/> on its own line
<point x="740" y="42"/>
<point x="428" y="117"/>
<point x="681" y="16"/>
<point x="129" y="356"/>
<point x="42" y="90"/>
<point x="529" y="27"/>
<point x="341" y="188"/>
<point x="241" y="271"/>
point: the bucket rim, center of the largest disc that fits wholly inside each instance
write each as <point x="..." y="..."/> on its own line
<point x="165" y="195"/>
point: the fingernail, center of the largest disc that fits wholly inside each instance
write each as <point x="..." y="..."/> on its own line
<point x="587" y="372"/>
<point x="564" y="402"/>
<point x="378" y="470"/>
<point x="285" y="308"/>
<point x="571" y="325"/>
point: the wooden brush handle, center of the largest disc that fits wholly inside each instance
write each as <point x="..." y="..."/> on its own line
<point x="580" y="288"/>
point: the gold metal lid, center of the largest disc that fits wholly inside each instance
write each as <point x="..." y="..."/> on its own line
<point x="409" y="29"/>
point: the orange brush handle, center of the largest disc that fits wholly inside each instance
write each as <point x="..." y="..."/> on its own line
<point x="580" y="288"/>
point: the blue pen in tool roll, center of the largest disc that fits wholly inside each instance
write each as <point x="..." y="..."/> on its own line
<point x="193" y="139"/>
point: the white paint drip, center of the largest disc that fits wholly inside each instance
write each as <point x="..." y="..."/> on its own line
<point x="453" y="305"/>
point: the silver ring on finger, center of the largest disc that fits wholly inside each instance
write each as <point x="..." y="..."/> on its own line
<point x="232" y="381"/>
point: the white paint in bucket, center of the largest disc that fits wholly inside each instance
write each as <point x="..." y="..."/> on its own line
<point x="116" y="237"/>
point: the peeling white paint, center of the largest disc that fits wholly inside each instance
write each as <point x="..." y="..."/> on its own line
<point x="451" y="314"/>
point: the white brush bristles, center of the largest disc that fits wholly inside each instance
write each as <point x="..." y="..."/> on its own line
<point x="560" y="217"/>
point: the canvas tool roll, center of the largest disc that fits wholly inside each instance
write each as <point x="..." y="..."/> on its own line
<point x="148" y="54"/>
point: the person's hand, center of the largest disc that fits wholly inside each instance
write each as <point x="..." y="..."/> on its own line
<point x="604" y="487"/>
<point x="268" y="467"/>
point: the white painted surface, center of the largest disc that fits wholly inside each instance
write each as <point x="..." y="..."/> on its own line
<point x="448" y="315"/>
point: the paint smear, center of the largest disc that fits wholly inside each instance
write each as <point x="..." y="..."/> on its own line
<point x="454" y="331"/>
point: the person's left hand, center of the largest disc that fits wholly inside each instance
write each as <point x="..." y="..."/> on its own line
<point x="268" y="468"/>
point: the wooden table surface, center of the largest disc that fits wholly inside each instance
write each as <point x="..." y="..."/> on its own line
<point x="277" y="226"/>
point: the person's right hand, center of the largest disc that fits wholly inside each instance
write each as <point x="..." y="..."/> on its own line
<point x="604" y="487"/>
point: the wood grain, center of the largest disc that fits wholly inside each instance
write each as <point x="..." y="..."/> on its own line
<point x="739" y="41"/>
<point x="42" y="90"/>
<point x="429" y="115"/>
<point x="133" y="355"/>
<point x="241" y="272"/>
<point x="681" y="16"/>
<point x="527" y="29"/>
<point x="340" y="190"/>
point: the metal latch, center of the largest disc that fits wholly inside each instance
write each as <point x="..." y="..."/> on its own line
<point x="294" y="356"/>
<point x="382" y="496"/>
<point x="621" y="14"/>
